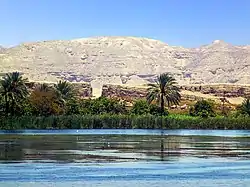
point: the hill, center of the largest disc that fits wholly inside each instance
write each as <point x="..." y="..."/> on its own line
<point x="127" y="61"/>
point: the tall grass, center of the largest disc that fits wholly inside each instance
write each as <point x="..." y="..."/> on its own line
<point x="123" y="122"/>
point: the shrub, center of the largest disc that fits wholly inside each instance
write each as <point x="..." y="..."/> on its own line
<point x="46" y="101"/>
<point x="140" y="107"/>
<point x="102" y="105"/>
<point x="203" y="109"/>
<point x="73" y="106"/>
<point x="156" y="110"/>
<point x="244" y="108"/>
<point x="107" y="121"/>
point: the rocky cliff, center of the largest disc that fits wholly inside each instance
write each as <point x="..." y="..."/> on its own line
<point x="127" y="61"/>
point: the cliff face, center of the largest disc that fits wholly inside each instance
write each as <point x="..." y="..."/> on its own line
<point x="127" y="61"/>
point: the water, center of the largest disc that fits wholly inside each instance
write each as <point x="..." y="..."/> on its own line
<point x="65" y="158"/>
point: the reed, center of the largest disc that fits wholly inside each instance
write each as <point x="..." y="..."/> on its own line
<point x="106" y="121"/>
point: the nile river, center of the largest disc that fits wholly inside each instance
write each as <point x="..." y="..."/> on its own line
<point x="111" y="158"/>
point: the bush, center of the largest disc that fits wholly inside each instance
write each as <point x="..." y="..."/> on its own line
<point x="244" y="108"/>
<point x="45" y="101"/>
<point x="104" y="105"/>
<point x="97" y="106"/>
<point x="156" y="110"/>
<point x="202" y="109"/>
<point x="106" y="121"/>
<point x="73" y="106"/>
<point x="141" y="107"/>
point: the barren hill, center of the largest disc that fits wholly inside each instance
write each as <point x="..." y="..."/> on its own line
<point x="127" y="60"/>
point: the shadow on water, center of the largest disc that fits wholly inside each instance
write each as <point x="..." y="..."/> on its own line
<point x="16" y="147"/>
<point x="125" y="158"/>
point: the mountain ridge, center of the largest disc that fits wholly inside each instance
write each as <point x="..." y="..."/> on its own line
<point x="127" y="61"/>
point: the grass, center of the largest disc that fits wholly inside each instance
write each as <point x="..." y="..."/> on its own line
<point x="173" y="121"/>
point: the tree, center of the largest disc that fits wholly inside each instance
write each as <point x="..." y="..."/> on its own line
<point x="203" y="109"/>
<point x="13" y="89"/>
<point x="165" y="91"/>
<point x="103" y="105"/>
<point x="244" y="108"/>
<point x="142" y="107"/>
<point x="65" y="89"/>
<point x="45" y="101"/>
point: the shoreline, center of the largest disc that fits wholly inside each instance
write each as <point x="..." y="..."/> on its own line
<point x="107" y="121"/>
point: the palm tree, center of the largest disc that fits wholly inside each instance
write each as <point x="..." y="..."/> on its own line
<point x="65" y="89"/>
<point x="13" y="89"/>
<point x="164" y="91"/>
<point x="50" y="90"/>
<point x="46" y="100"/>
<point x="245" y="107"/>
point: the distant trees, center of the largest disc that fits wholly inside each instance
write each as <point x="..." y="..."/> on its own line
<point x="61" y="99"/>
<point x="15" y="98"/>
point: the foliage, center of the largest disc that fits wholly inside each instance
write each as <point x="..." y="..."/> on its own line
<point x="107" y="121"/>
<point x="142" y="107"/>
<point x="156" y="110"/>
<point x="2" y="105"/>
<point x="65" y="90"/>
<point x="46" y="101"/>
<point x="203" y="109"/>
<point x="24" y="108"/>
<point x="13" y="90"/>
<point x="164" y="91"/>
<point x="244" y="108"/>
<point x="97" y="106"/>
<point x="56" y="107"/>
<point x="73" y="106"/>
<point x="104" y="105"/>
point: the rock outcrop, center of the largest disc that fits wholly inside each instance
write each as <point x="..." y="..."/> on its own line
<point x="125" y="93"/>
<point x="127" y="61"/>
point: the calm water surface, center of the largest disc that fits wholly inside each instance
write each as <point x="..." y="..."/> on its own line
<point x="179" y="158"/>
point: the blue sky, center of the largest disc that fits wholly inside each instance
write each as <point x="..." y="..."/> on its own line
<point x="189" y="23"/>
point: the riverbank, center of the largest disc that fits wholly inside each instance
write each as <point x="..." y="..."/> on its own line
<point x="123" y="122"/>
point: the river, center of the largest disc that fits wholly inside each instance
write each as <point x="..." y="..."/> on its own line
<point x="181" y="158"/>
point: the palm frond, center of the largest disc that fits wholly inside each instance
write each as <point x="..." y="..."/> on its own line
<point x="166" y="86"/>
<point x="65" y="89"/>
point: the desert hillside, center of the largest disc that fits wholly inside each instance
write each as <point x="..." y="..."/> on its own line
<point x="127" y="61"/>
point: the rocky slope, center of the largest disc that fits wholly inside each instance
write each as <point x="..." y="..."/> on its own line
<point x="126" y="61"/>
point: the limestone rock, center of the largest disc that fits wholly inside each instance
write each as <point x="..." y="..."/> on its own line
<point x="127" y="61"/>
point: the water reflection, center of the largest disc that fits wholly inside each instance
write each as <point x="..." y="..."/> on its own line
<point x="117" y="148"/>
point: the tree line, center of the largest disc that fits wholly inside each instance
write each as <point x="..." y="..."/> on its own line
<point x="16" y="99"/>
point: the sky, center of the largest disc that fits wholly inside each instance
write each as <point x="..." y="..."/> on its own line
<point x="188" y="23"/>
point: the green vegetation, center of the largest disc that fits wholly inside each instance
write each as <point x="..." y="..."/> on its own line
<point x="58" y="106"/>
<point x="202" y="109"/>
<point x="165" y="91"/>
<point x="65" y="89"/>
<point x="13" y="91"/>
<point x="107" y="121"/>
<point x="142" y="107"/>
<point x="244" y="108"/>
